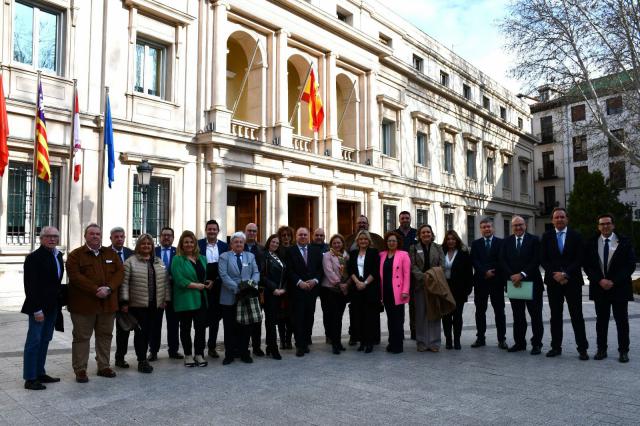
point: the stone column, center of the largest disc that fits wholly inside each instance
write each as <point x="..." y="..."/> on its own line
<point x="283" y="131"/>
<point x="333" y="142"/>
<point x="219" y="198"/>
<point x="282" y="206"/>
<point x="498" y="226"/>
<point x="220" y="115"/>
<point x="372" y="145"/>
<point x="332" y="210"/>
<point x="373" y="212"/>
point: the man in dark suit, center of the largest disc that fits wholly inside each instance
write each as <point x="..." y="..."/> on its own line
<point x="251" y="245"/>
<point x="520" y="261"/>
<point x="304" y="268"/>
<point x="561" y="258"/>
<point x="609" y="263"/>
<point x="488" y="283"/>
<point x="212" y="248"/>
<point x="165" y="251"/>
<point x="118" y="238"/>
<point x="43" y="270"/>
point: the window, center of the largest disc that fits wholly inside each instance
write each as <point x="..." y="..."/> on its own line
<point x="157" y="209"/>
<point x="389" y="213"/>
<point x="448" y="156"/>
<point x="524" y="178"/>
<point x="150" y="68"/>
<point x="421" y="148"/>
<point x="19" y="202"/>
<point x="37" y="37"/>
<point x="546" y="129"/>
<point x="421" y="217"/>
<point x="614" y="149"/>
<point x="503" y="113"/>
<point x="507" y="227"/>
<point x="520" y="123"/>
<point x="614" y="105"/>
<point x="388" y="137"/>
<point x="617" y="175"/>
<point x="384" y="39"/>
<point x="506" y="174"/>
<point x="549" y="199"/>
<point x="580" y="171"/>
<point x="471" y="163"/>
<point x="471" y="229"/>
<point x="466" y="91"/>
<point x="548" y="166"/>
<point x="580" y="148"/>
<point x="344" y="15"/>
<point x="448" y="221"/>
<point x="444" y="78"/>
<point x="418" y="63"/>
<point x="578" y="113"/>
<point x="490" y="170"/>
<point x="486" y="102"/>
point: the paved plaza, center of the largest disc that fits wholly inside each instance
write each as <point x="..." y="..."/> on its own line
<point x="471" y="386"/>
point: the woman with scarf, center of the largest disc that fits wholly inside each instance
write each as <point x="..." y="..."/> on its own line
<point x="275" y="287"/>
<point x="335" y="285"/>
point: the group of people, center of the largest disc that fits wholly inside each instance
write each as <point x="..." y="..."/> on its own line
<point x="200" y="282"/>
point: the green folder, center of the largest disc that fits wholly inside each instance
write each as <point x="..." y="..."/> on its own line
<point x="524" y="292"/>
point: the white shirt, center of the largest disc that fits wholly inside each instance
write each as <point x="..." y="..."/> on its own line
<point x="448" y="263"/>
<point x="613" y="244"/>
<point x="95" y="252"/>
<point x="360" y="263"/>
<point x="212" y="252"/>
<point x="521" y="240"/>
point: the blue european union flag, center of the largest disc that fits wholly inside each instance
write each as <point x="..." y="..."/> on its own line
<point x="108" y="141"/>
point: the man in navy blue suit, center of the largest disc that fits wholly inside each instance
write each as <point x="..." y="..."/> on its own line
<point x="212" y="248"/>
<point x="488" y="283"/>
<point x="165" y="251"/>
<point x="520" y="261"/>
<point x="118" y="238"/>
<point x="561" y="258"/>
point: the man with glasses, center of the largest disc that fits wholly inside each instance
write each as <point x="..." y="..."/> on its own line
<point x="520" y="261"/>
<point x="43" y="270"/>
<point x="609" y="263"/>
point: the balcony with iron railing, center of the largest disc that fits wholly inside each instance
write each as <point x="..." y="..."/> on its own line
<point x="548" y="172"/>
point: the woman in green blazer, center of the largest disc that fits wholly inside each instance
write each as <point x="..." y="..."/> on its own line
<point x="188" y="270"/>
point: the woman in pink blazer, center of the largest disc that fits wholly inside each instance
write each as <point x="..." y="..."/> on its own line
<point x="395" y="275"/>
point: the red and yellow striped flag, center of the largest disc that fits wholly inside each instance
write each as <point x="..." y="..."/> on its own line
<point x="311" y="95"/>
<point x="42" y="147"/>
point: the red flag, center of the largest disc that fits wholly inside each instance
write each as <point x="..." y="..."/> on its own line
<point x="4" y="131"/>
<point x="311" y="95"/>
<point x="77" y="146"/>
<point x="42" y="146"/>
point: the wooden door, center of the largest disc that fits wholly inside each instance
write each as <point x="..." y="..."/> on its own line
<point x="247" y="207"/>
<point x="347" y="216"/>
<point x="301" y="212"/>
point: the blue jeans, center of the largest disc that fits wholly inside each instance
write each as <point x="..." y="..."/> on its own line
<point x="37" y="344"/>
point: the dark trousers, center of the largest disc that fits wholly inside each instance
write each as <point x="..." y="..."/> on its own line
<point x="332" y="311"/>
<point x="412" y="311"/>
<point x="481" y="300"/>
<point x="520" y="320"/>
<point x="557" y="294"/>
<point x="285" y="321"/>
<point x="395" y="324"/>
<point x="354" y="332"/>
<point x="366" y="314"/>
<point x="173" y="331"/>
<point x="255" y="331"/>
<point x="198" y="318"/>
<point x="214" y="315"/>
<point x="273" y="316"/>
<point x="304" y="309"/>
<point x="621" y="316"/>
<point x="453" y="320"/>
<point x="122" y="341"/>
<point x="147" y="319"/>
<point x="37" y="344"/>
<point x="236" y="336"/>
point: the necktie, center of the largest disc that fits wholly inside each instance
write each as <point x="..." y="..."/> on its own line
<point x="121" y="256"/>
<point x="605" y="256"/>
<point x="239" y="262"/>
<point x="165" y="257"/>
<point x="487" y="243"/>
<point x="519" y="243"/>
<point x="560" y="241"/>
<point x="304" y="254"/>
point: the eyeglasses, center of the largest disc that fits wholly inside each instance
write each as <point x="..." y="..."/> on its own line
<point x="50" y="236"/>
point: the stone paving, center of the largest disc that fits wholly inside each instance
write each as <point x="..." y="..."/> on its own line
<point x="471" y="386"/>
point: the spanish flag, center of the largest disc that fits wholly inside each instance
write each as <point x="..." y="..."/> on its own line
<point x="311" y="96"/>
<point x="42" y="147"/>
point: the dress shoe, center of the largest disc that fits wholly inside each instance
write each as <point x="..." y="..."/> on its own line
<point x="227" y="360"/>
<point x="144" y="367"/>
<point x="299" y="351"/>
<point x="336" y="350"/>
<point x="554" y="352"/>
<point x="81" y="376"/>
<point x="624" y="357"/>
<point x="213" y="353"/>
<point x="153" y="356"/>
<point x="306" y="349"/>
<point x="34" y="385"/>
<point x="517" y="348"/>
<point x="448" y="345"/>
<point x="456" y="345"/>
<point x="600" y="355"/>
<point x="478" y="343"/>
<point x="352" y="342"/>
<point x="360" y="348"/>
<point x="107" y="372"/>
<point x="176" y="355"/>
<point x="368" y="349"/>
<point x="433" y="349"/>
<point x="200" y="361"/>
<point x="246" y="359"/>
<point x="327" y="340"/>
<point x="48" y="379"/>
<point x="273" y="352"/>
<point x="583" y="355"/>
<point x="501" y="344"/>
<point x="258" y="352"/>
<point x="422" y="347"/>
<point x="536" y="350"/>
<point x="122" y="363"/>
<point x="189" y="361"/>
<point x="342" y="348"/>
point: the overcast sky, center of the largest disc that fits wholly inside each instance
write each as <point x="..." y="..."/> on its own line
<point x="469" y="28"/>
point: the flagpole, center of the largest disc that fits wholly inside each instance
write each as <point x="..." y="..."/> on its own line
<point x="353" y="89"/>
<point x="34" y="177"/>
<point x="304" y="83"/>
<point x="244" y="79"/>
<point x="71" y="155"/>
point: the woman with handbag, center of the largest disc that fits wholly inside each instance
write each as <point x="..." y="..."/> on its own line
<point x="335" y="285"/>
<point x="364" y="268"/>
<point x="285" y="326"/>
<point x="143" y="294"/>
<point x="274" y="282"/>
<point x="188" y="270"/>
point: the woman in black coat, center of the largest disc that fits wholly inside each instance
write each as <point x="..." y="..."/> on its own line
<point x="459" y="272"/>
<point x="275" y="287"/>
<point x="364" y="269"/>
